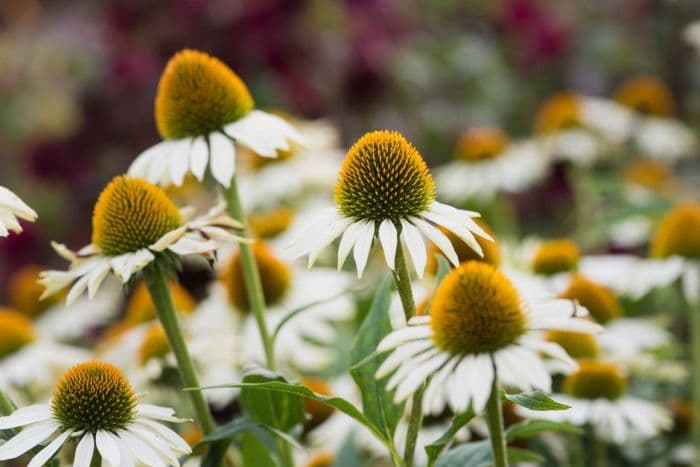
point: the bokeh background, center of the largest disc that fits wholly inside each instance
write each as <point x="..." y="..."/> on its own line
<point x="78" y="77"/>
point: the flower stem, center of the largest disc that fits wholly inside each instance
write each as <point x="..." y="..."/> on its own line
<point x="156" y="281"/>
<point x="494" y="419"/>
<point x="6" y="405"/>
<point x="251" y="275"/>
<point x="599" y="450"/>
<point x="694" y="312"/>
<point x="403" y="285"/>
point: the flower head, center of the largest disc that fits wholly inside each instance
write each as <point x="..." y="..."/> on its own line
<point x="649" y="174"/>
<point x="202" y="107"/>
<point x="96" y="405"/>
<point x="595" y="379"/>
<point x="24" y="292"/>
<point x="678" y="233"/>
<point x="481" y="143"/>
<point x="275" y="276"/>
<point x="578" y="345"/>
<point x="480" y="327"/>
<point x="385" y="189"/>
<point x="559" y="112"/>
<point x="155" y="344"/>
<point x="16" y="331"/>
<point x="132" y="214"/>
<point x="383" y="177"/>
<point x="647" y="95"/>
<point x="198" y="94"/>
<point x="556" y="256"/>
<point x="134" y="224"/>
<point x="599" y="300"/>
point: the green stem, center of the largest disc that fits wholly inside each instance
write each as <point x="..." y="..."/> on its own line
<point x="6" y="405"/>
<point x="251" y="275"/>
<point x="157" y="283"/>
<point x="599" y="449"/>
<point x="403" y="285"/>
<point x="694" y="312"/>
<point x="494" y="419"/>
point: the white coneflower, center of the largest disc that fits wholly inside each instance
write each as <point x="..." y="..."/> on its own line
<point x="201" y="109"/>
<point x="656" y="132"/>
<point x="11" y="208"/>
<point x="94" y="404"/>
<point x="487" y="162"/>
<point x="581" y="129"/>
<point x="384" y="189"/>
<point x="479" y="328"/>
<point x="596" y="394"/>
<point x="133" y="222"/>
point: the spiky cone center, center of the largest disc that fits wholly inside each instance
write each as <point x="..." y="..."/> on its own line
<point x="476" y="309"/>
<point x="650" y="174"/>
<point x="23" y="292"/>
<point x="321" y="459"/>
<point x="383" y="177"/>
<point x="577" y="344"/>
<point x="558" y="112"/>
<point x="678" y="234"/>
<point x="132" y="214"/>
<point x="275" y="276"/>
<point x="646" y="94"/>
<point x="556" y="256"/>
<point x="154" y="345"/>
<point x="479" y="144"/>
<point x="198" y="94"/>
<point x="596" y="380"/>
<point x="600" y="301"/>
<point x="268" y="224"/>
<point x="94" y="396"/>
<point x="492" y="252"/>
<point x="316" y="411"/>
<point x="141" y="309"/>
<point x="16" y="331"/>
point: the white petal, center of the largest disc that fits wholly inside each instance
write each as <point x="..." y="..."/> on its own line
<point x="108" y="448"/>
<point x="199" y="156"/>
<point x="347" y="241"/>
<point x="140" y="449"/>
<point x="27" y="439"/>
<point x="26" y="416"/>
<point x="415" y="246"/>
<point x="403" y="335"/>
<point x="158" y="444"/>
<point x="222" y="154"/>
<point x="49" y="450"/>
<point x="401" y="354"/>
<point x="438" y="238"/>
<point x="159" y="413"/>
<point x="166" y="433"/>
<point x="262" y="132"/>
<point x="388" y="236"/>
<point x="362" y="246"/>
<point x="417" y="377"/>
<point x="83" y="453"/>
<point x="179" y="160"/>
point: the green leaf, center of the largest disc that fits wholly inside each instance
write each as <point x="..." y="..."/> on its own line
<point x="536" y="401"/>
<point x="377" y="402"/>
<point x="230" y="429"/>
<point x="256" y="453"/>
<point x="435" y="448"/>
<point x="240" y="426"/>
<point x="277" y="411"/>
<point x="336" y="402"/>
<point x="531" y="428"/>
<point x="518" y="455"/>
<point x="348" y="455"/>
<point x="476" y="454"/>
<point x="479" y="454"/>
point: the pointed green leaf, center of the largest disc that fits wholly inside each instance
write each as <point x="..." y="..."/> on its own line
<point x="435" y="448"/>
<point x="532" y="427"/>
<point x="275" y="410"/>
<point x="377" y="402"/>
<point x="536" y="401"/>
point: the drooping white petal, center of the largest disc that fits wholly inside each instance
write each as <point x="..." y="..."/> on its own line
<point x="415" y="246"/>
<point x="403" y="335"/>
<point x="262" y="132"/>
<point x="362" y="247"/>
<point x="199" y="157"/>
<point x="140" y="449"/>
<point x="457" y="228"/>
<point x="84" y="451"/>
<point x="388" y="237"/>
<point x="49" y="450"/>
<point x="438" y="238"/>
<point x="108" y="448"/>
<point x="180" y="160"/>
<point x="483" y="370"/>
<point x="154" y="441"/>
<point x="401" y="354"/>
<point x="26" y="416"/>
<point x="156" y="412"/>
<point x="27" y="438"/>
<point x="347" y="242"/>
<point x="222" y="158"/>
<point x="167" y="434"/>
